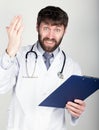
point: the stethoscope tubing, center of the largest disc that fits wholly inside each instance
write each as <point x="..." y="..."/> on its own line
<point x="63" y="62"/>
<point x="31" y="51"/>
<point x="60" y="74"/>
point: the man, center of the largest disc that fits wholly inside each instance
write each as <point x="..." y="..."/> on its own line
<point x="26" y="73"/>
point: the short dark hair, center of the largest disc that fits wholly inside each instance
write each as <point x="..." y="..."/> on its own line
<point x="53" y="14"/>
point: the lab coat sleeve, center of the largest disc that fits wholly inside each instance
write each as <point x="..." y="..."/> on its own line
<point x="73" y="120"/>
<point x="8" y="72"/>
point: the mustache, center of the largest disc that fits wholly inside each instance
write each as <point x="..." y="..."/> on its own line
<point x="48" y="39"/>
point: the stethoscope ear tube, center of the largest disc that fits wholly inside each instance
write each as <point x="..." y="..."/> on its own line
<point x="26" y="57"/>
<point x="31" y="51"/>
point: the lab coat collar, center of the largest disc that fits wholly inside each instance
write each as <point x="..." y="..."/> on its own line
<point x="57" y="60"/>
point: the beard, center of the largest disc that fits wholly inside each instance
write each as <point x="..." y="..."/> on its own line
<point x="49" y="47"/>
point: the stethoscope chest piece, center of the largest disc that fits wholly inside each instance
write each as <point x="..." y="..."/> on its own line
<point x="60" y="75"/>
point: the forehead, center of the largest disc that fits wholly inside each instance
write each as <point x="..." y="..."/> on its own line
<point x="52" y="23"/>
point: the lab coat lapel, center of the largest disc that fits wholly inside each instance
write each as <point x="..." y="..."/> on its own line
<point x="55" y="66"/>
<point x="41" y="67"/>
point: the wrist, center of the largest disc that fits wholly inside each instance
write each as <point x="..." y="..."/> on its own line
<point x="10" y="53"/>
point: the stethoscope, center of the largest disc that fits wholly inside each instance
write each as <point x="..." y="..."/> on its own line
<point x="59" y="74"/>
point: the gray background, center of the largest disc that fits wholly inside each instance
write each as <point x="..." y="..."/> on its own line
<point x="80" y="42"/>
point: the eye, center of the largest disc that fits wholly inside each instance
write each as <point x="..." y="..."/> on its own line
<point x="57" y="30"/>
<point x="45" y="28"/>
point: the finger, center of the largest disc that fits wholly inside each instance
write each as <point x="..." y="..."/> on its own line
<point x="13" y="23"/>
<point x="7" y="28"/>
<point x="74" y="109"/>
<point x="20" y="30"/>
<point x="18" y="24"/>
<point x="73" y="104"/>
<point x="79" y="104"/>
<point x="76" y="115"/>
<point x="78" y="101"/>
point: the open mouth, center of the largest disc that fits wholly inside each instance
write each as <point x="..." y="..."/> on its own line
<point x="49" y="42"/>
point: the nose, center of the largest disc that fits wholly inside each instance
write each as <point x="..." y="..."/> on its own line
<point x="51" y="34"/>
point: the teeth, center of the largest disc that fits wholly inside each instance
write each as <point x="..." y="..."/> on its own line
<point x="50" y="41"/>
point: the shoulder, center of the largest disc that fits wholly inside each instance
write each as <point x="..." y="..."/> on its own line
<point x="72" y="67"/>
<point x="71" y="61"/>
<point x="24" y="49"/>
<point x="22" y="52"/>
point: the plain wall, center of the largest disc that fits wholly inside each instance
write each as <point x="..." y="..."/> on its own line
<point x="80" y="42"/>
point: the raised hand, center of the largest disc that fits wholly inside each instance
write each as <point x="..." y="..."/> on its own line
<point x="14" y="31"/>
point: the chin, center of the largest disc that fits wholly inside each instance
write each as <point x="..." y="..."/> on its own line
<point x="49" y="49"/>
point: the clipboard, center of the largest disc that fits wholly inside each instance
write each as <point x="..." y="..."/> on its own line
<point x="75" y="87"/>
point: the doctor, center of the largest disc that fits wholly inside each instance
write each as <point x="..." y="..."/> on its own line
<point x="25" y="72"/>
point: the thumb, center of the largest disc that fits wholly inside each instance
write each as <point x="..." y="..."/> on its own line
<point x="7" y="28"/>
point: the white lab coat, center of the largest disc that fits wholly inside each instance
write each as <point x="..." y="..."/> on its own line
<point x="24" y="112"/>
